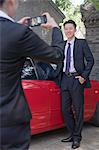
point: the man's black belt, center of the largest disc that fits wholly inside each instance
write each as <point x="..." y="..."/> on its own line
<point x="70" y="74"/>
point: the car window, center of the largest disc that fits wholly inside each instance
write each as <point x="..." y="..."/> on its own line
<point x="37" y="70"/>
<point x="29" y="70"/>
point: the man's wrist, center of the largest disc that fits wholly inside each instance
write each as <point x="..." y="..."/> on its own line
<point x="55" y="26"/>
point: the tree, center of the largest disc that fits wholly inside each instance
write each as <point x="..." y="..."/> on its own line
<point x="64" y="5"/>
<point x="67" y="8"/>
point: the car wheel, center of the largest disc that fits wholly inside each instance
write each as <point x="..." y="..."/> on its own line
<point x="95" y="118"/>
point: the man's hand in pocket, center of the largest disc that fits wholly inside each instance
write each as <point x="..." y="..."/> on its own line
<point x="81" y="79"/>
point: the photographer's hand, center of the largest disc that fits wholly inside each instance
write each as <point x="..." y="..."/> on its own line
<point x="50" y="22"/>
<point x="24" y="21"/>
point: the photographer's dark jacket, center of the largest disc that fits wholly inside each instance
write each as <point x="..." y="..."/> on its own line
<point x="16" y="43"/>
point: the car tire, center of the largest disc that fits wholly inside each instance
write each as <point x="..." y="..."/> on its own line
<point x="95" y="118"/>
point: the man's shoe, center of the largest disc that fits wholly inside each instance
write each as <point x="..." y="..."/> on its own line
<point x="69" y="139"/>
<point x="75" y="144"/>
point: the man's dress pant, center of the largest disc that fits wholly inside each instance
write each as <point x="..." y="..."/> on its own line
<point x="73" y="105"/>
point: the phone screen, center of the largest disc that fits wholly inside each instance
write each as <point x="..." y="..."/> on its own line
<point x="36" y="21"/>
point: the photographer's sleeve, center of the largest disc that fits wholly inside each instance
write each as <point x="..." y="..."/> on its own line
<point x="32" y="46"/>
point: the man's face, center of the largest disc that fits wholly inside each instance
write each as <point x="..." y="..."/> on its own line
<point x="69" y="30"/>
<point x="12" y="6"/>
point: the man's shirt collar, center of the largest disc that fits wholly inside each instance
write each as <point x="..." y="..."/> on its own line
<point x="4" y="15"/>
<point x="71" y="41"/>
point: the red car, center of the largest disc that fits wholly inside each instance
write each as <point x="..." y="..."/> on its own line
<point x="44" y="100"/>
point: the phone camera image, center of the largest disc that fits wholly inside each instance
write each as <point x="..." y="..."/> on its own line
<point x="37" y="21"/>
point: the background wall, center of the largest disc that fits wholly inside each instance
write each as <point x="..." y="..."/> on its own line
<point x="90" y="17"/>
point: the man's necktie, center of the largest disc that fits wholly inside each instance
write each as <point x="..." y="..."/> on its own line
<point x="68" y="58"/>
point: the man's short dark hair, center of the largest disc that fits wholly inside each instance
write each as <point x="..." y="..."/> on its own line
<point x="1" y="2"/>
<point x="70" y="21"/>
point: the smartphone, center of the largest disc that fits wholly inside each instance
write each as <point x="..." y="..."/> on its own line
<point x="37" y="21"/>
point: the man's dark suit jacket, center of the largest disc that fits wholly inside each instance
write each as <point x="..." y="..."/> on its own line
<point x="16" y="43"/>
<point x="83" y="60"/>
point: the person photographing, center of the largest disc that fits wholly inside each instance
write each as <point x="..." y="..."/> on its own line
<point x="18" y="41"/>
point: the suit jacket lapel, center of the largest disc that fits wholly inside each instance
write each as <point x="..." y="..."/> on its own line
<point x="4" y="19"/>
<point x="75" y="48"/>
<point x="65" y="42"/>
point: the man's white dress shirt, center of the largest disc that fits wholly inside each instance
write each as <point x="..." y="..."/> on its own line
<point x="72" y="69"/>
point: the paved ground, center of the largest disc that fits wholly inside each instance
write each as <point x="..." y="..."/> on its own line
<point x="52" y="140"/>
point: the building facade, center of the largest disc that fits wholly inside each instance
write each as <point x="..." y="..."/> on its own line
<point x="90" y="17"/>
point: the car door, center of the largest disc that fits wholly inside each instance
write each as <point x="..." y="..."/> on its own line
<point x="36" y="92"/>
<point x="55" y="108"/>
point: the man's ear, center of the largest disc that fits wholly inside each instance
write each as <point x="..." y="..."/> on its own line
<point x="10" y="2"/>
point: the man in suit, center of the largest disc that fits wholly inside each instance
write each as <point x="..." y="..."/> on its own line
<point x="17" y="42"/>
<point x="75" y="78"/>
